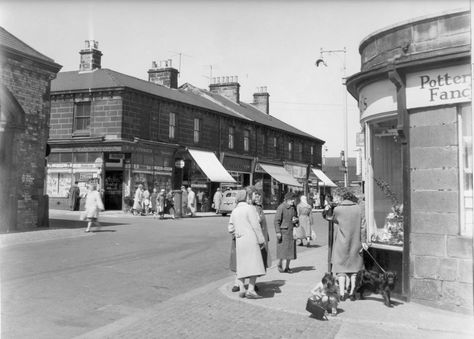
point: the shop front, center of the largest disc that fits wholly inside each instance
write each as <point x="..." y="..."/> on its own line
<point x="416" y="116"/>
<point x="274" y="181"/>
<point x="240" y="168"/>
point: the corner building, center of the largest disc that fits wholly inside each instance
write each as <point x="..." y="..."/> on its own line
<point x="121" y="131"/>
<point x="414" y="94"/>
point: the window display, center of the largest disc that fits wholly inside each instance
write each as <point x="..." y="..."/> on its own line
<point x="385" y="223"/>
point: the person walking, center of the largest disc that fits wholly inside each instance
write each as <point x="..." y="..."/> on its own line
<point x="216" y="200"/>
<point x="160" y="204"/>
<point x="146" y="201"/>
<point x="74" y="197"/>
<point x="284" y="221"/>
<point x="153" y="198"/>
<point x="244" y="225"/>
<point x="191" y="202"/>
<point x="169" y="204"/>
<point x="92" y="207"/>
<point x="348" y="240"/>
<point x="305" y="218"/>
<point x="137" y="200"/>
<point x="184" y="201"/>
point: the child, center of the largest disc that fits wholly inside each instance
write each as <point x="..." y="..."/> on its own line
<point x="325" y="292"/>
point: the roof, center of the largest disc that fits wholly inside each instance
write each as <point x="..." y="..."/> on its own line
<point x="9" y="40"/>
<point x="106" y="78"/>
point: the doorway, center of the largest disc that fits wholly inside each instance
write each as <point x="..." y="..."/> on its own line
<point x="113" y="190"/>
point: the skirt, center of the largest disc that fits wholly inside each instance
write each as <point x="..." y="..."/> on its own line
<point x="286" y="248"/>
<point x="233" y="256"/>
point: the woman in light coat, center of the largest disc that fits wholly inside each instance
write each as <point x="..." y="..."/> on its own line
<point x="305" y="218"/>
<point x="93" y="205"/>
<point x="245" y="226"/>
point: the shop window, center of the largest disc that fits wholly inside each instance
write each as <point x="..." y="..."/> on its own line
<point x="465" y="167"/>
<point x="58" y="184"/>
<point x="231" y="137"/>
<point x="53" y="158"/>
<point x="246" y="140"/>
<point x="80" y="157"/>
<point x="172" y="126"/>
<point x="82" y="117"/>
<point x="385" y="220"/>
<point x="65" y="157"/>
<point x="197" y="130"/>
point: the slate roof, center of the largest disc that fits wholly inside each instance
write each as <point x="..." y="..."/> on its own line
<point x="106" y="78"/>
<point x="9" y="40"/>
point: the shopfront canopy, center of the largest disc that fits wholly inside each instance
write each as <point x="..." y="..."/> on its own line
<point x="211" y="167"/>
<point x="324" y="178"/>
<point x="280" y="174"/>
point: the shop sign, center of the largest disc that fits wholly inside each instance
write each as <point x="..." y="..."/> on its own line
<point x="162" y="168"/>
<point x="237" y="164"/>
<point x="443" y="86"/>
<point x="360" y="139"/>
<point x="377" y="97"/>
<point x="259" y="169"/>
<point x="296" y="171"/>
<point x="198" y="185"/>
<point x="60" y="165"/>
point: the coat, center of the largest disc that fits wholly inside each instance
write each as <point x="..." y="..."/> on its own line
<point x="349" y="233"/>
<point x="305" y="218"/>
<point x="137" y="200"/>
<point x="245" y="226"/>
<point x="286" y="248"/>
<point x="267" y="260"/>
<point x="93" y="204"/>
<point x="192" y="201"/>
<point x="217" y="200"/>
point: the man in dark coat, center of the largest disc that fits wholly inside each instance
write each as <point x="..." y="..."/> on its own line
<point x="285" y="220"/>
<point x="74" y="193"/>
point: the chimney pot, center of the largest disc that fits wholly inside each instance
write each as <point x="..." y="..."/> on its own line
<point x="261" y="99"/>
<point x="226" y="86"/>
<point x="90" y="56"/>
<point x="164" y="75"/>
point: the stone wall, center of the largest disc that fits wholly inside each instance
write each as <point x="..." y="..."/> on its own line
<point x="29" y="82"/>
<point x="441" y="259"/>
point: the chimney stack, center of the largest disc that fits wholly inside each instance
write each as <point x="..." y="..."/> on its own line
<point x="163" y="74"/>
<point x="90" y="56"/>
<point x="261" y="100"/>
<point x="227" y="86"/>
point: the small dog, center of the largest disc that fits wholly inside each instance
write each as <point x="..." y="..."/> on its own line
<point x="380" y="283"/>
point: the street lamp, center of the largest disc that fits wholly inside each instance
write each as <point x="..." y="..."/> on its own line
<point x="322" y="62"/>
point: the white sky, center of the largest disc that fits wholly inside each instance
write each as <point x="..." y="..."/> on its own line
<point x="265" y="43"/>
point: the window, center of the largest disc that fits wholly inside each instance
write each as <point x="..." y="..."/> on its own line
<point x="299" y="149"/>
<point x="312" y="151"/>
<point x="465" y="168"/>
<point x="275" y="142"/>
<point x="264" y="143"/>
<point x="290" y="150"/>
<point x="231" y="137"/>
<point x="82" y="117"/>
<point x="172" y="127"/>
<point x="197" y="129"/>
<point x="246" y="140"/>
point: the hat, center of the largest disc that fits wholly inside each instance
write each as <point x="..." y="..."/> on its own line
<point x="289" y="196"/>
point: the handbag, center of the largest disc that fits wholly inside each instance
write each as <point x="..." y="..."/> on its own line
<point x="82" y="216"/>
<point x="318" y="312"/>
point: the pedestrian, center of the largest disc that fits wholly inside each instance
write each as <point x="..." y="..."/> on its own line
<point x="153" y="197"/>
<point x="146" y="201"/>
<point x="305" y="218"/>
<point x="199" y="200"/>
<point x="348" y="240"/>
<point x="216" y="200"/>
<point x="92" y="207"/>
<point x="184" y="201"/>
<point x="169" y="204"/>
<point x="160" y="204"/>
<point x="244" y="225"/>
<point x="284" y="221"/>
<point x="74" y="197"/>
<point x="256" y="199"/>
<point x="137" y="200"/>
<point x="191" y="202"/>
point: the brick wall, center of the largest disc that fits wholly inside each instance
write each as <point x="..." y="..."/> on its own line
<point x="441" y="259"/>
<point x="30" y="84"/>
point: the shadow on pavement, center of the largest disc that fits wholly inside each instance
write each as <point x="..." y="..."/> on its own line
<point x="65" y="223"/>
<point x="267" y="289"/>
<point x="302" y="268"/>
<point x="380" y="299"/>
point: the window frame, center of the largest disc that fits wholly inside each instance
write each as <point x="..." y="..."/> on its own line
<point x="172" y="126"/>
<point x="465" y="157"/>
<point x="197" y="130"/>
<point x="82" y="117"/>
<point x="231" y="137"/>
<point x="246" y="140"/>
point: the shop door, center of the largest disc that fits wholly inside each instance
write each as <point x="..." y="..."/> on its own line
<point x="113" y="190"/>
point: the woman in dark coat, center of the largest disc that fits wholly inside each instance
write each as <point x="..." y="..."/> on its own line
<point x="349" y="238"/>
<point x="285" y="220"/>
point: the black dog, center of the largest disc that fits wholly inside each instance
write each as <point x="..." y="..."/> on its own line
<point x="381" y="283"/>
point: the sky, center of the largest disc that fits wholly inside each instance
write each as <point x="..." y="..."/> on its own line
<point x="265" y="43"/>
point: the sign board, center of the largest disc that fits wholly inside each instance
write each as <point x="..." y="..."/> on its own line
<point x="376" y="98"/>
<point x="442" y="86"/>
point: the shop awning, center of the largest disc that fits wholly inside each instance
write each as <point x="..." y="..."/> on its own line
<point x="280" y="174"/>
<point x="211" y="167"/>
<point x="324" y="178"/>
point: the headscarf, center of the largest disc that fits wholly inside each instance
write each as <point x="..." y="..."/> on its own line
<point x="241" y="196"/>
<point x="304" y="201"/>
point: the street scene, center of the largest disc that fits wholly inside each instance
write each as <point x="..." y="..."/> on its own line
<point x="262" y="169"/>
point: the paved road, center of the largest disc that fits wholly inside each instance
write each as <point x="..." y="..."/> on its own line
<point x="66" y="282"/>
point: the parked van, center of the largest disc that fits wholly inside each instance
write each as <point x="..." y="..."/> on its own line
<point x="228" y="202"/>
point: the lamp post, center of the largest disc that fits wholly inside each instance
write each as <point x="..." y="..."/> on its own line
<point x="322" y="62"/>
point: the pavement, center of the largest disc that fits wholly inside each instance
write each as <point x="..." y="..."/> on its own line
<point x="214" y="311"/>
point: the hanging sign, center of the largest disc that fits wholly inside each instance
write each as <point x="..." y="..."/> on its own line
<point x="442" y="86"/>
<point x="377" y="98"/>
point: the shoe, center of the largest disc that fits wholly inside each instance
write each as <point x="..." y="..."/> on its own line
<point x="280" y="269"/>
<point x="256" y="288"/>
<point x="307" y="244"/>
<point x="288" y="270"/>
<point x="87" y="231"/>
<point x="334" y="312"/>
<point x="352" y="297"/>
<point x="235" y="288"/>
<point x="252" y="295"/>
<point x="242" y="294"/>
